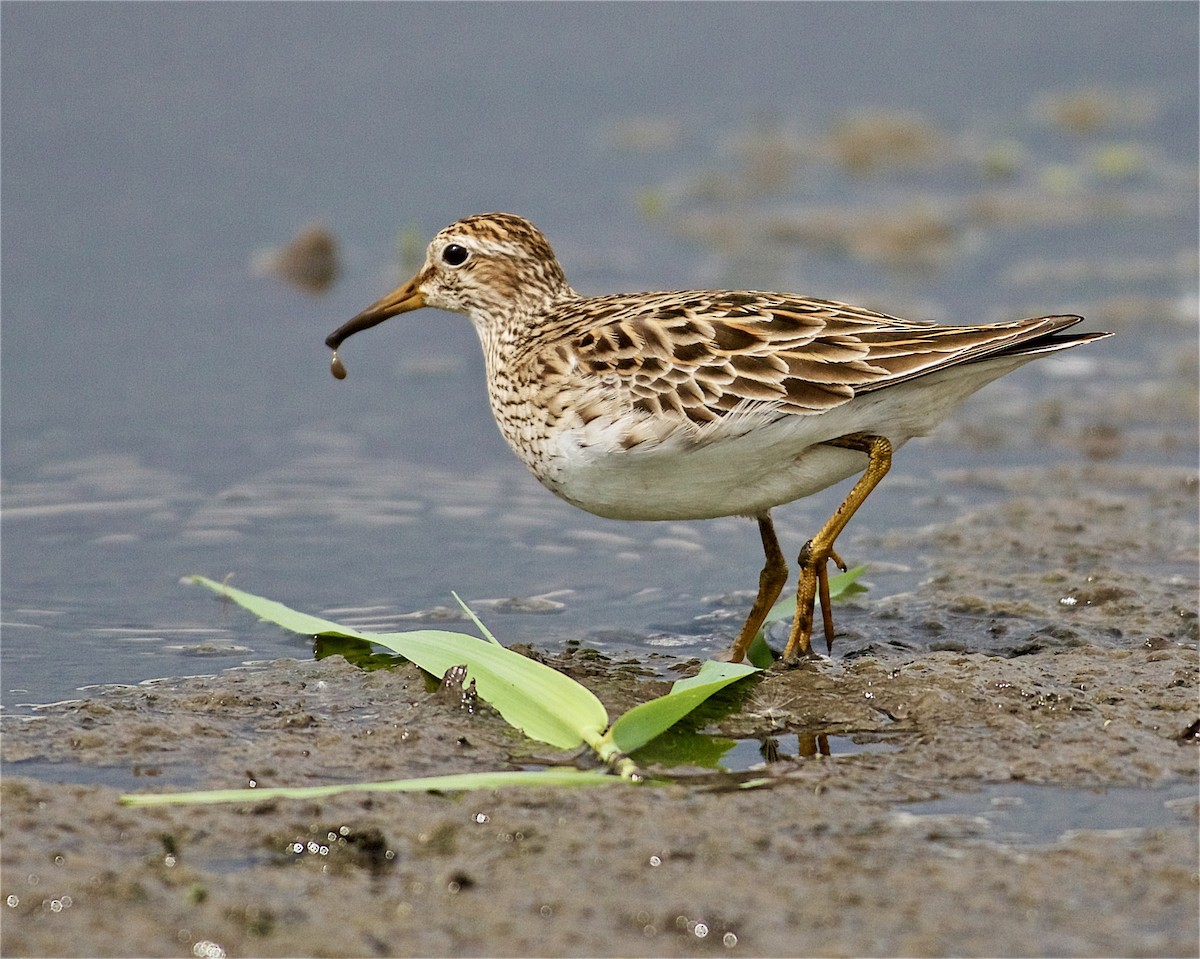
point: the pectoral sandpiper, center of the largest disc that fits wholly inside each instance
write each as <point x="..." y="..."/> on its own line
<point x="702" y="403"/>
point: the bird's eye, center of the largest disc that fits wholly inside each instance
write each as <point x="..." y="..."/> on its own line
<point x="455" y="255"/>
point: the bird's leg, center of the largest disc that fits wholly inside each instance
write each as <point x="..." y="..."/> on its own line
<point x="823" y="597"/>
<point x="770" y="584"/>
<point x="819" y="550"/>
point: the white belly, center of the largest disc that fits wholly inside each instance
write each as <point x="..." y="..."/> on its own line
<point x="745" y="464"/>
<point x="734" y="477"/>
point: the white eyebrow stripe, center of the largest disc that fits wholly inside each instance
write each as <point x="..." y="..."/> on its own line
<point x="501" y="248"/>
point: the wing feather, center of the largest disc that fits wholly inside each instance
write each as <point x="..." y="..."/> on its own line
<point x="700" y="355"/>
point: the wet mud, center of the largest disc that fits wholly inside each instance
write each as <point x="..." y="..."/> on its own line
<point x="1002" y="762"/>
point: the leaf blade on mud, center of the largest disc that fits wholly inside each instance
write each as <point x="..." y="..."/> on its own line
<point x="642" y="723"/>
<point x="543" y="703"/>
<point x="456" y="782"/>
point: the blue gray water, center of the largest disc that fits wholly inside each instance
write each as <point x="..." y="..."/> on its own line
<point x="168" y="411"/>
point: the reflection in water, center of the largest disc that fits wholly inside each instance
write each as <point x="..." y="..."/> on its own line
<point x="809" y="746"/>
<point x="792" y="747"/>
<point x="676" y="749"/>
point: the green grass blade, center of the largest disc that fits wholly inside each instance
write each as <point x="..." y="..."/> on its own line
<point x="542" y="702"/>
<point x="484" y="631"/>
<point x="273" y="612"/>
<point x="453" y="783"/>
<point x="642" y="723"/>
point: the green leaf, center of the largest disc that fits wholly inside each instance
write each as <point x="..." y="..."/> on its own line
<point x="647" y="720"/>
<point x="542" y="702"/>
<point x="840" y="586"/>
<point x="484" y="631"/>
<point x="846" y="584"/>
<point x="759" y="654"/>
<point x="712" y="671"/>
<point x="678" y="747"/>
<point x="357" y="652"/>
<point x="277" y="613"/>
<point x="452" y="783"/>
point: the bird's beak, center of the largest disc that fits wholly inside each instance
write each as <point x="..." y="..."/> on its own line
<point x="403" y="299"/>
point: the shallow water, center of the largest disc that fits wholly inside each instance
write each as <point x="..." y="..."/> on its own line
<point x="1016" y="814"/>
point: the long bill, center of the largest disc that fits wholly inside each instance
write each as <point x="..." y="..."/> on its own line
<point x="403" y="299"/>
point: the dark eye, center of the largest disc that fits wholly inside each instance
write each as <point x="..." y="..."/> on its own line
<point x="455" y="255"/>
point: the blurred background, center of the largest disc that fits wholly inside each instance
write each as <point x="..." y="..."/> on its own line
<point x="167" y="406"/>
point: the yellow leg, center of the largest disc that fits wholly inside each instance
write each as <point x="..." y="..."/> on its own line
<point x="770" y="584"/>
<point x="819" y="550"/>
<point x="823" y="595"/>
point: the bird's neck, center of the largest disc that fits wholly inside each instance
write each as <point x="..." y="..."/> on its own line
<point x="508" y="327"/>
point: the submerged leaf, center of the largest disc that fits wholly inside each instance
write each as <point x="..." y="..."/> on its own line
<point x="677" y="748"/>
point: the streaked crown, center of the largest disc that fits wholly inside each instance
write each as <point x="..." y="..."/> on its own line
<point x="492" y="266"/>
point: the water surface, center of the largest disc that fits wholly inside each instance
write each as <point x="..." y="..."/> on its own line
<point x="166" y="411"/>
